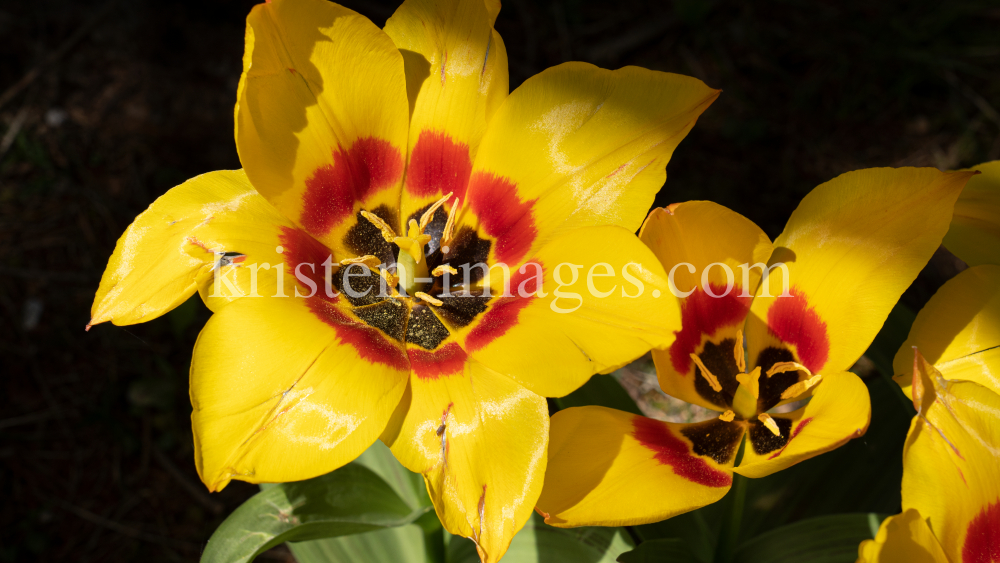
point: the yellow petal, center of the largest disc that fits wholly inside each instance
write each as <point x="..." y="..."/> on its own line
<point x="974" y="235"/>
<point x="173" y="246"/>
<point x="321" y="115"/>
<point x="839" y="411"/>
<point x="480" y="441"/>
<point x="456" y="71"/>
<point x="958" y="330"/>
<point x="280" y="395"/>
<point x="593" y="318"/>
<point x="701" y="233"/>
<point x="612" y="468"/>
<point x="903" y="538"/>
<point x="951" y="466"/>
<point x="576" y="146"/>
<point x="851" y="247"/>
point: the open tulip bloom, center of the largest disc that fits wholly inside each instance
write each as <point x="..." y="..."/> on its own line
<point x="380" y="167"/>
<point x="746" y="344"/>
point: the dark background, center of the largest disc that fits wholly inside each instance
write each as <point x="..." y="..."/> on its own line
<point x="130" y="99"/>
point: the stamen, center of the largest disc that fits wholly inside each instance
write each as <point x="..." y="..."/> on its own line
<point x="391" y="279"/>
<point x="425" y="219"/>
<point x="727" y="416"/>
<point x="713" y="381"/>
<point x="751" y="381"/>
<point x="387" y="233"/>
<point x="368" y="260"/>
<point x="440" y="270"/>
<point x="782" y="367"/>
<point x="428" y="298"/>
<point x="769" y="423"/>
<point x="801" y="387"/>
<point x="449" y="228"/>
<point x="738" y="352"/>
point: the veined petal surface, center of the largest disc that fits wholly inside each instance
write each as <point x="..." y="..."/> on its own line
<point x="279" y="396"/>
<point x="851" y="247"/>
<point x="613" y="468"/>
<point x="321" y="115"/>
<point x="958" y="331"/>
<point x="696" y="242"/>
<point x="480" y="441"/>
<point x="974" y="235"/>
<point x="839" y="411"/>
<point x="177" y="245"/>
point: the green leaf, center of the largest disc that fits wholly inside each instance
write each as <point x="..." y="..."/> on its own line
<point x="351" y="500"/>
<point x="538" y="542"/>
<point x="827" y="539"/>
<point x="656" y="551"/>
<point x="603" y="390"/>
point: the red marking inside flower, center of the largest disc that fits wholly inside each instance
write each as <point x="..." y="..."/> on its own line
<point x="503" y="215"/>
<point x="438" y="165"/>
<point x="333" y="189"/>
<point x="671" y="450"/>
<point x="702" y="314"/>
<point x="503" y="313"/>
<point x="793" y="321"/>
<point x="798" y="428"/>
<point x="982" y="539"/>
<point x="432" y="364"/>
<point x="300" y="248"/>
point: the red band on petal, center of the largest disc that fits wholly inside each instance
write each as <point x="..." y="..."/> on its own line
<point x="503" y="313"/>
<point x="438" y="165"/>
<point x="702" y="314"/>
<point x="793" y="321"/>
<point x="671" y="450"/>
<point x="432" y="364"/>
<point x="332" y="190"/>
<point x="370" y="343"/>
<point x="798" y="428"/>
<point x="503" y="215"/>
<point x="982" y="540"/>
<point x="300" y="248"/>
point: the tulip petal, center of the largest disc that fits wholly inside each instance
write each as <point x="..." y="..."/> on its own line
<point x="703" y="234"/>
<point x="851" y="247"/>
<point x="456" y="71"/>
<point x="951" y="465"/>
<point x="958" y="331"/>
<point x="840" y="410"/>
<point x="612" y="468"/>
<point x="176" y="246"/>
<point x="321" y="116"/>
<point x="974" y="235"/>
<point x="553" y="341"/>
<point x="576" y="146"/>
<point x="903" y="538"/>
<point x="480" y="440"/>
<point x="278" y="394"/>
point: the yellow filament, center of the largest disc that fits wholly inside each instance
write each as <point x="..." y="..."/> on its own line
<point x="428" y="298"/>
<point x="751" y="381"/>
<point x="440" y="270"/>
<point x="713" y="381"/>
<point x="387" y="233"/>
<point x="391" y="280"/>
<point x="425" y="219"/>
<point x="368" y="260"/>
<point x="782" y="367"/>
<point x="727" y="416"/>
<point x="449" y="227"/>
<point x="769" y="423"/>
<point x="801" y="387"/>
<point x="738" y="352"/>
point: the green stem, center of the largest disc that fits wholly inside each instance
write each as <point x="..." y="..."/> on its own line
<point x="732" y="529"/>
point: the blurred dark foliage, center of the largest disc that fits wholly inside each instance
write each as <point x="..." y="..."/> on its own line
<point x="131" y="99"/>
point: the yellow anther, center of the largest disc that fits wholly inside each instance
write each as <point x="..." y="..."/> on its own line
<point x="425" y="219"/>
<point x="368" y="260"/>
<point x="449" y="227"/>
<point x="391" y="279"/>
<point x="782" y="367"/>
<point x="727" y="416"/>
<point x="440" y="270"/>
<point x="387" y="233"/>
<point x="741" y="363"/>
<point x="751" y="381"/>
<point x="713" y="381"/>
<point x="801" y="387"/>
<point x="428" y="298"/>
<point x="769" y="423"/>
